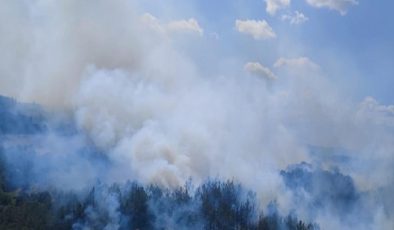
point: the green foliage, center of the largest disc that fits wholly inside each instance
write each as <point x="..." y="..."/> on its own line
<point x="135" y="206"/>
<point x="222" y="207"/>
<point x="28" y="211"/>
<point x="214" y="205"/>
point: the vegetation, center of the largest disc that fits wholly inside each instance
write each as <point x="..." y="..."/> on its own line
<point x="214" y="205"/>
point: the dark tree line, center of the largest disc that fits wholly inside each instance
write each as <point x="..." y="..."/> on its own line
<point x="213" y="205"/>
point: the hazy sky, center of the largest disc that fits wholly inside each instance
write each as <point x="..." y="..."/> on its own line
<point x="171" y="90"/>
<point x="352" y="41"/>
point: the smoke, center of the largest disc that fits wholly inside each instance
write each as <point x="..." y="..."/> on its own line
<point x="144" y="104"/>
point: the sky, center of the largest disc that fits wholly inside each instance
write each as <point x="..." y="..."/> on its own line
<point x="171" y="90"/>
<point x="352" y="41"/>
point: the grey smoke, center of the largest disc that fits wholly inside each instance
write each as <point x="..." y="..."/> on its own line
<point x="146" y="106"/>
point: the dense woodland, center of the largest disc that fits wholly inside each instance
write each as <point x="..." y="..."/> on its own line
<point x="215" y="205"/>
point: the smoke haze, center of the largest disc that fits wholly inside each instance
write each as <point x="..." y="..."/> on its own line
<point x="124" y="80"/>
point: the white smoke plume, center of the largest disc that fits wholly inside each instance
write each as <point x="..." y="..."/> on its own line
<point x="146" y="105"/>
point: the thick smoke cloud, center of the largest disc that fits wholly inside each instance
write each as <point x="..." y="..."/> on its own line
<point x="146" y="107"/>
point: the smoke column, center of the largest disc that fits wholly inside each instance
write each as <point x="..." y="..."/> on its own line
<point x="126" y="80"/>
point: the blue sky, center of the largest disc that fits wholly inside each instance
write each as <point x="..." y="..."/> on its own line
<point x="171" y="90"/>
<point x="355" y="50"/>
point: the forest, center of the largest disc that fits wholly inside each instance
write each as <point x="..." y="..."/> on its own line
<point x="215" y="205"/>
